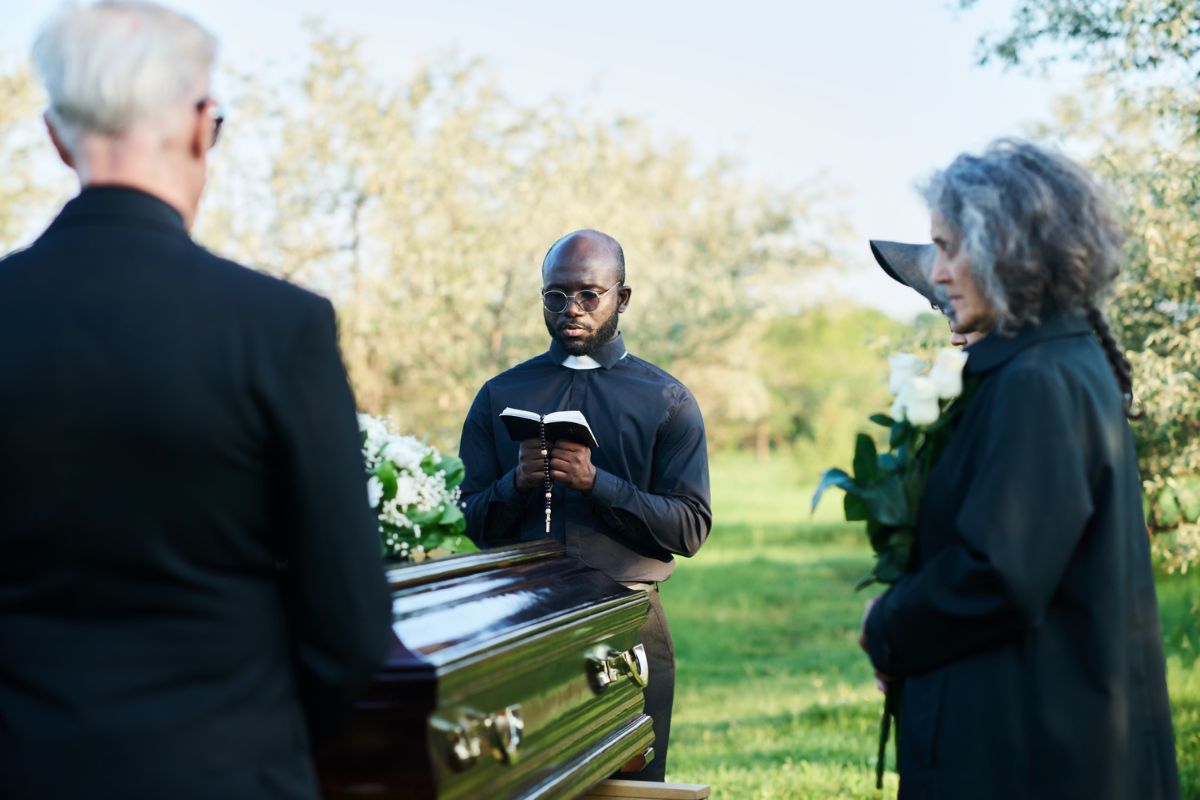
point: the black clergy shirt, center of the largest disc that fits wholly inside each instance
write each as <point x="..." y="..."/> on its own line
<point x="650" y="499"/>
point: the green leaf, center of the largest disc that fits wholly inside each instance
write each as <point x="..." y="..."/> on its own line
<point x="460" y="544"/>
<point x="455" y="470"/>
<point x="878" y="535"/>
<point x="888" y="569"/>
<point x="854" y="508"/>
<point x="889" y="463"/>
<point x="450" y="515"/>
<point x="431" y="539"/>
<point x="452" y="520"/>
<point x="833" y="477"/>
<point x="386" y="473"/>
<point x="1187" y="492"/>
<point x="1167" y="513"/>
<point x="900" y="432"/>
<point x="894" y="559"/>
<point x="866" y="466"/>
<point x="865" y="581"/>
<point x="423" y="518"/>
<point x="887" y="502"/>
<point x="882" y="420"/>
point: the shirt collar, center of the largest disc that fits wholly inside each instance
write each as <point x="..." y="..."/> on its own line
<point x="121" y="202"/>
<point x="608" y="355"/>
<point x="997" y="348"/>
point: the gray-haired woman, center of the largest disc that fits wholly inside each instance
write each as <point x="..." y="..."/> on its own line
<point x="1028" y="635"/>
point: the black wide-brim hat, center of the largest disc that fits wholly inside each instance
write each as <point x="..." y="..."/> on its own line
<point x="909" y="264"/>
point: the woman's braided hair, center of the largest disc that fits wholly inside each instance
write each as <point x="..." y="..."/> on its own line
<point x="1116" y="357"/>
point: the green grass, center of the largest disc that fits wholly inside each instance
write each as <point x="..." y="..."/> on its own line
<point x="773" y="697"/>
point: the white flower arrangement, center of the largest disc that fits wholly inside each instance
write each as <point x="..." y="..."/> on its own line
<point x="918" y="396"/>
<point x="415" y="492"/>
<point x="885" y="488"/>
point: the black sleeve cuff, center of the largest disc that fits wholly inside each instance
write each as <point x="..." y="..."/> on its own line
<point x="879" y="648"/>
<point x="506" y="489"/>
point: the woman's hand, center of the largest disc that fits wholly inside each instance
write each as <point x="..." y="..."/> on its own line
<point x="882" y="682"/>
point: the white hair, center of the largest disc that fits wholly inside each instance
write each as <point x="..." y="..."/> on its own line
<point x="114" y="65"/>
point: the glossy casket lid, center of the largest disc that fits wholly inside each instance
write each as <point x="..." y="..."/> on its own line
<point x="446" y="610"/>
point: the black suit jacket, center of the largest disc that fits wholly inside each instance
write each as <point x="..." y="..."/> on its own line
<point x="1028" y="636"/>
<point x="190" y="579"/>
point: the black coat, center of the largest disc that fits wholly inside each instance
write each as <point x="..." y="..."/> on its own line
<point x="1028" y="636"/>
<point x="190" y="579"/>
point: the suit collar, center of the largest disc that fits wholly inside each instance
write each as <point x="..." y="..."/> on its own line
<point x="121" y="203"/>
<point x="997" y="348"/>
<point x="607" y="356"/>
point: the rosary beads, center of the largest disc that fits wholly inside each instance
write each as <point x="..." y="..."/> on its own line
<point x="546" y="468"/>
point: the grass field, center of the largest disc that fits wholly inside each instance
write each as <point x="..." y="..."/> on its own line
<point x="774" y="699"/>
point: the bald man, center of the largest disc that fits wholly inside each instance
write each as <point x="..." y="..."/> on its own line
<point x="627" y="507"/>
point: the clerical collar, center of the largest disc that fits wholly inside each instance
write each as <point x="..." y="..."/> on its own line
<point x="608" y="355"/>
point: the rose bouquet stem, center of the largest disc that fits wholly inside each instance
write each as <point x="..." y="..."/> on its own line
<point x="885" y="488"/>
<point x="891" y="715"/>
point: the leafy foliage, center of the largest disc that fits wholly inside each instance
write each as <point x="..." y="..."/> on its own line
<point x="424" y="208"/>
<point x="30" y="183"/>
<point x="1145" y="143"/>
<point x="414" y="491"/>
<point x="1117" y="35"/>
<point x="821" y="373"/>
<point x="885" y="488"/>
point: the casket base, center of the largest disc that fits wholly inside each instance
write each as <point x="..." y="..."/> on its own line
<point x="573" y="777"/>
<point x="643" y="790"/>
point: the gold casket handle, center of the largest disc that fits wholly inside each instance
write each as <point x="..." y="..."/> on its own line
<point x="637" y="667"/>
<point x="606" y="665"/>
<point x="508" y="729"/>
<point x="463" y="735"/>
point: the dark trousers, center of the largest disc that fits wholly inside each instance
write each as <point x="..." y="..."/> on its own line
<point x="655" y="636"/>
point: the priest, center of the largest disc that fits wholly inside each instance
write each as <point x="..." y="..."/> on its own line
<point x="626" y="507"/>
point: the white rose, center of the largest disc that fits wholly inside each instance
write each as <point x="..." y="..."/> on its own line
<point x="374" y="492"/>
<point x="920" y="401"/>
<point x="376" y="432"/>
<point x="898" y="408"/>
<point x="405" y="452"/>
<point x="408" y="491"/>
<point x="903" y="367"/>
<point x="947" y="373"/>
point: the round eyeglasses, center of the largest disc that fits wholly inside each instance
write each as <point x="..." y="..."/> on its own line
<point x="556" y="301"/>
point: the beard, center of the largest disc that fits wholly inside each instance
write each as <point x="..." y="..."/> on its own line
<point x="587" y="345"/>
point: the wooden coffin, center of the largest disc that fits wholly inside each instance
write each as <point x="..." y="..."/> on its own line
<point x="515" y="673"/>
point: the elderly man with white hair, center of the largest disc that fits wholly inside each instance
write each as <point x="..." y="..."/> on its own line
<point x="191" y="592"/>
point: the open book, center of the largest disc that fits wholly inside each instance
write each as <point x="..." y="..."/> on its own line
<point x="570" y="425"/>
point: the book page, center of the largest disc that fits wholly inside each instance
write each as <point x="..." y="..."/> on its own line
<point x="517" y="412"/>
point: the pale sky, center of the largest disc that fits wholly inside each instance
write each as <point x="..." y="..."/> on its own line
<point x="862" y="97"/>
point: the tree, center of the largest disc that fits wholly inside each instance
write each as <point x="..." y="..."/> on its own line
<point x="424" y="208"/>
<point x="31" y="183"/>
<point x="1145" y="143"/>
<point x="1112" y="35"/>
